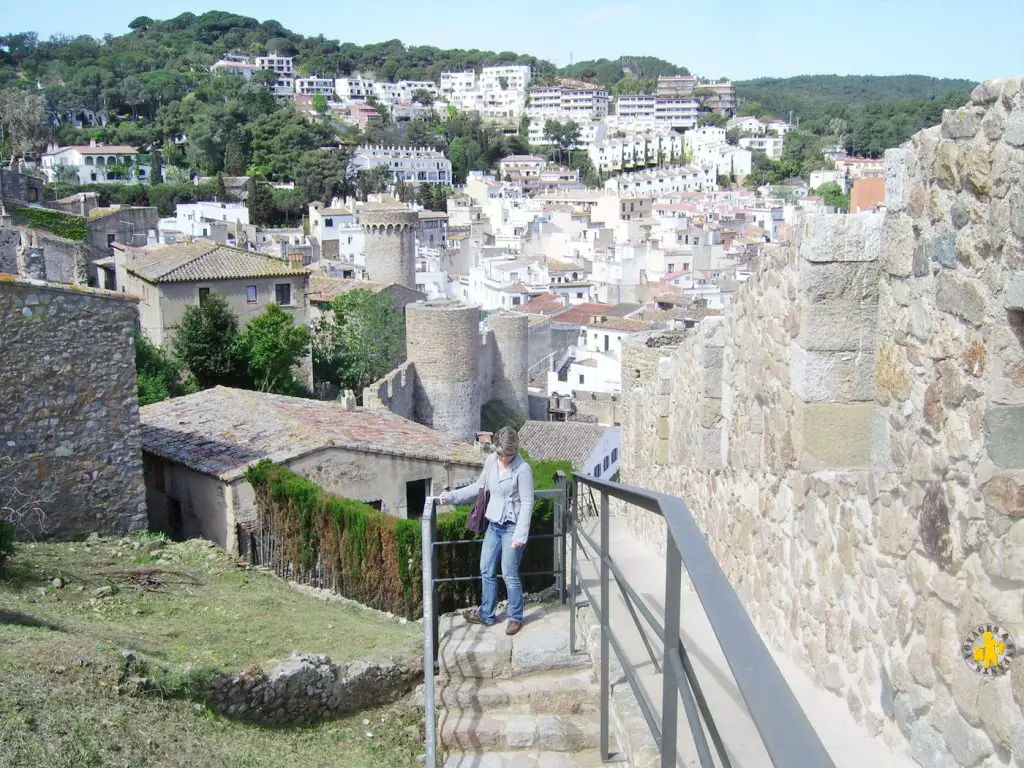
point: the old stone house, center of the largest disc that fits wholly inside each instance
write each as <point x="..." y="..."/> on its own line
<point x="197" y="448"/>
<point x="170" y="278"/>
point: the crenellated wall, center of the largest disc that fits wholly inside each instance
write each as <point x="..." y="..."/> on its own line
<point x="850" y="436"/>
<point x="395" y="392"/>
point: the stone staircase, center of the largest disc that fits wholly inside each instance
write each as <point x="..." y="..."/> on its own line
<point x="520" y="701"/>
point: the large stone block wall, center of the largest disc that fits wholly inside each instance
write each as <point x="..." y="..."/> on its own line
<point x="850" y="437"/>
<point x="69" y="414"/>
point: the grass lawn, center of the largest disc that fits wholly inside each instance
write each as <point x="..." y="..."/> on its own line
<point x="179" y="607"/>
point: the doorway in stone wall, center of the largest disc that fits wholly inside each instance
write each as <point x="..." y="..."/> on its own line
<point x="416" y="492"/>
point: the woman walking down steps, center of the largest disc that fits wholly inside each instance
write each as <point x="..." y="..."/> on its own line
<point x="509" y="480"/>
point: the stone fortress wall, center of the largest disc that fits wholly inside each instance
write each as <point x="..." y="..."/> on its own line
<point x="390" y="244"/>
<point x="69" y="418"/>
<point x="452" y="369"/>
<point x="850" y="436"/>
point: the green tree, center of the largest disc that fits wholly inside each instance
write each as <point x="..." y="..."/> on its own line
<point x="160" y="376"/>
<point x="235" y="154"/>
<point x="21" y="122"/>
<point x="320" y="105"/>
<point x="205" y="343"/>
<point x="322" y="175"/>
<point x="273" y="346"/>
<point x="260" y="202"/>
<point x="422" y="96"/>
<point x="719" y="121"/>
<point x="360" y="340"/>
<point x="833" y="195"/>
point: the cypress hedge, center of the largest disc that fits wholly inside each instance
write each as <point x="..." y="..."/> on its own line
<point x="375" y="559"/>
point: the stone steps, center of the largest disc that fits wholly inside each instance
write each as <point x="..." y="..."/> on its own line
<point x="546" y="693"/>
<point x="521" y="701"/>
<point x="489" y="759"/>
<point x="515" y="730"/>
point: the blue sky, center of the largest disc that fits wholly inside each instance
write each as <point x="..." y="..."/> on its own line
<point x="723" y="38"/>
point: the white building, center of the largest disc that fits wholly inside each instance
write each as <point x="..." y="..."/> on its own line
<point x="568" y="103"/>
<point x="228" y="66"/>
<point x="338" y="233"/>
<point x="770" y="145"/>
<point x="96" y="163"/>
<point x="642" y="111"/>
<point x="663" y="181"/>
<point x="512" y="77"/>
<point x="457" y="83"/>
<point x="825" y="176"/>
<point x="417" y="165"/>
<point x="676" y="113"/>
<point x="282" y="65"/>
<point x="314" y="86"/>
<point x="590" y="130"/>
<point x="353" y="88"/>
<point x="617" y="154"/>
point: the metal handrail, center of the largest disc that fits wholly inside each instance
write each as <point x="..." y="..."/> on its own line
<point x="788" y="736"/>
<point x="431" y="617"/>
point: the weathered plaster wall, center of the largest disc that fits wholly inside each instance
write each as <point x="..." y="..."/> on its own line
<point x="69" y="414"/>
<point x="850" y="436"/>
<point x="202" y="500"/>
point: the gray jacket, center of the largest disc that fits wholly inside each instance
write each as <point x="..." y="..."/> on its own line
<point x="511" y="494"/>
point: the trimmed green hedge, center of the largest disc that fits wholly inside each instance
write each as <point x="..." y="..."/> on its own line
<point x="59" y="223"/>
<point x="376" y="559"/>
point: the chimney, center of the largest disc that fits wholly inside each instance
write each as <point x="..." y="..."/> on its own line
<point x="92" y="142"/>
<point x="348" y="401"/>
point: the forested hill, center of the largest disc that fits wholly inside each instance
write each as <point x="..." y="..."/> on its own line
<point x="807" y="92"/>
<point x="626" y="74"/>
<point x="867" y="113"/>
<point x="188" y="43"/>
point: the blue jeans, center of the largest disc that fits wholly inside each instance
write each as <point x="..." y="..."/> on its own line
<point x="498" y="544"/>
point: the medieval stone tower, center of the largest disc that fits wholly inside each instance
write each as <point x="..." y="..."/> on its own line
<point x="457" y="370"/>
<point x="443" y="343"/>
<point x="390" y="244"/>
<point x="511" y="360"/>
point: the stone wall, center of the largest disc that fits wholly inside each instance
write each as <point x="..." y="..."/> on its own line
<point x="70" y="415"/>
<point x="850" y="436"/>
<point x="395" y="392"/>
<point x="67" y="261"/>
<point x="310" y="688"/>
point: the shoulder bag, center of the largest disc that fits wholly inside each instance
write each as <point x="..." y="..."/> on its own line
<point x="476" y="521"/>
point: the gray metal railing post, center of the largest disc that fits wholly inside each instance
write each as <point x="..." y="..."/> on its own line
<point x="429" y="527"/>
<point x="670" y="683"/>
<point x="573" y="517"/>
<point x="606" y="691"/>
<point x="558" y="524"/>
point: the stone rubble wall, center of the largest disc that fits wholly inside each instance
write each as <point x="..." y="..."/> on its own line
<point x="850" y="437"/>
<point x="310" y="688"/>
<point x="69" y="415"/>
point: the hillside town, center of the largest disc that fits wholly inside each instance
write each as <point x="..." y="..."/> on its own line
<point x="288" y="339"/>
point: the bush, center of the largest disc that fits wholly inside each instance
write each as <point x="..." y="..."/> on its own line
<point x="374" y="558"/>
<point x="61" y="224"/>
<point x="6" y="543"/>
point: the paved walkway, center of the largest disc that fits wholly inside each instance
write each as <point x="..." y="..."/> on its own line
<point x="644" y="567"/>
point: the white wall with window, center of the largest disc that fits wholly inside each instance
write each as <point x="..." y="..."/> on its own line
<point x="604" y="459"/>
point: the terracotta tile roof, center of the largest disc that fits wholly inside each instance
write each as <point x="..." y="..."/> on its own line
<point x="562" y="440"/>
<point x="581" y="314"/>
<point x="544" y="304"/>
<point x="324" y="289"/>
<point x="620" y="324"/>
<point x="99" y="149"/>
<point x="222" y="431"/>
<point x="203" y="260"/>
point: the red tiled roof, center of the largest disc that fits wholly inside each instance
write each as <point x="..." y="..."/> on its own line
<point x="581" y="314"/>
